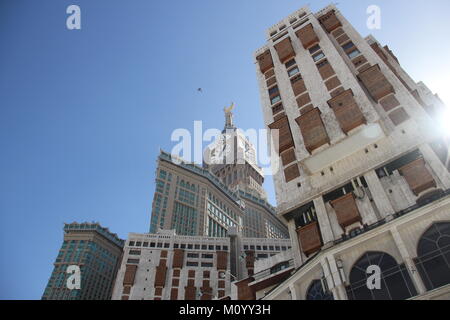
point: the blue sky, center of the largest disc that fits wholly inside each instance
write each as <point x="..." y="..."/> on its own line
<point x="83" y="113"/>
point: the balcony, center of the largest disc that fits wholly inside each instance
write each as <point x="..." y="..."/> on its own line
<point x="417" y="176"/>
<point x="347" y="111"/>
<point x="347" y="212"/>
<point x="329" y="21"/>
<point x="313" y="130"/>
<point x="376" y="83"/>
<point x="265" y="61"/>
<point x="309" y="236"/>
<point x="307" y="36"/>
<point x="285" y="50"/>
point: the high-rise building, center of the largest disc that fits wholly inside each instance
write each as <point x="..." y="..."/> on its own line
<point x="167" y="266"/>
<point x="232" y="158"/>
<point x="363" y="183"/>
<point x="192" y="201"/>
<point x="97" y="252"/>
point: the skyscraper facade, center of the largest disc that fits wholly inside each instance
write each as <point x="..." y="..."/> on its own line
<point x="97" y="252"/>
<point x="363" y="178"/>
<point x="192" y="201"/>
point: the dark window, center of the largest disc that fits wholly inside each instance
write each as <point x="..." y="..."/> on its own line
<point x="396" y="283"/>
<point x="176" y="245"/>
<point x="166" y="245"/>
<point x="225" y="248"/>
<point x="192" y="255"/>
<point x="159" y="245"/>
<point x="322" y="64"/>
<point x="131" y="244"/>
<point x="290" y="63"/>
<point x="152" y="244"/>
<point x="192" y="264"/>
<point x="348" y="45"/>
<point x="189" y="246"/>
<point x="203" y="246"/>
<point x="207" y="256"/>
<point x="207" y="264"/>
<point x="138" y="244"/>
<point x="280" y="266"/>
<point x="210" y="247"/>
<point x="145" y="244"/>
<point x="183" y="246"/>
<point x="316" y="292"/>
<point x="314" y="49"/>
<point x="433" y="261"/>
<point x="135" y="252"/>
<point x="273" y="90"/>
<point x="197" y="246"/>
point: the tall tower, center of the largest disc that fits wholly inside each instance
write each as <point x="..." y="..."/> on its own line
<point x="232" y="158"/>
<point x="363" y="169"/>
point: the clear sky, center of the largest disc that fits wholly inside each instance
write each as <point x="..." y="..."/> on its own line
<point x="83" y="113"/>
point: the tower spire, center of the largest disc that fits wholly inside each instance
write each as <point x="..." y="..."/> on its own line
<point x="229" y="117"/>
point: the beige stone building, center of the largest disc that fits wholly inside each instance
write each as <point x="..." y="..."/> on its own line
<point x="364" y="177"/>
<point x="167" y="266"/>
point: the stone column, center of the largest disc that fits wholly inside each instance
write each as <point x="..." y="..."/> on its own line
<point x="378" y="194"/>
<point x="329" y="278"/>
<point x="436" y="165"/>
<point x="410" y="265"/>
<point x="296" y="250"/>
<point x="341" y="293"/>
<point x="324" y="222"/>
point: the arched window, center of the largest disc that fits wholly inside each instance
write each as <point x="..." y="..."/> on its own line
<point x="395" y="282"/>
<point x="316" y="292"/>
<point x="433" y="256"/>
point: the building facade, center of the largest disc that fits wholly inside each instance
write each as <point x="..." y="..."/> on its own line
<point x="97" y="252"/>
<point x="364" y="174"/>
<point x="167" y="266"/>
<point x="192" y="201"/>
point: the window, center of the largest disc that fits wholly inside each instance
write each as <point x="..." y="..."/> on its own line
<point x="192" y="255"/>
<point x="207" y="256"/>
<point x="192" y="263"/>
<point x="396" y="283"/>
<point x="314" y="49"/>
<point x="348" y="45"/>
<point x="322" y="64"/>
<point x="290" y="63"/>
<point x="316" y="292"/>
<point x="207" y="264"/>
<point x="433" y="256"/>
<point x="354" y="53"/>
<point x="275" y="99"/>
<point x="318" y="56"/>
<point x="133" y="261"/>
<point x="280" y="266"/>
<point x="135" y="252"/>
<point x="273" y="90"/>
<point x="293" y="71"/>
